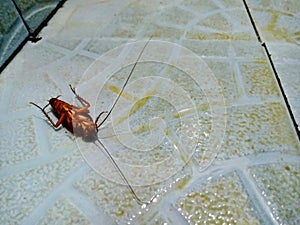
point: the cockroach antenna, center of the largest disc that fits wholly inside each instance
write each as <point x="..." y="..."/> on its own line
<point x="124" y="85"/>
<point x="139" y="201"/>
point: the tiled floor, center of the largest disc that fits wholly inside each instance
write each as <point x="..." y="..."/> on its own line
<point x="202" y="124"/>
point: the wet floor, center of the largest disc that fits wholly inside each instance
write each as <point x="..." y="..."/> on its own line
<point x="206" y="126"/>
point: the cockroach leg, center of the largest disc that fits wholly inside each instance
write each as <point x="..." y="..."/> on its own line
<point x="48" y="117"/>
<point x="84" y="109"/>
<point x="84" y="102"/>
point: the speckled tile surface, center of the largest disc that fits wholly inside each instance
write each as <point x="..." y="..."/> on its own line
<point x="278" y="23"/>
<point x="201" y="125"/>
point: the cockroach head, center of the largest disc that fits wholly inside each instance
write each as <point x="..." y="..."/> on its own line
<point x="92" y="137"/>
<point x="52" y="100"/>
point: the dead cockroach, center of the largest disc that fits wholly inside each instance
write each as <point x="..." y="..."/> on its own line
<point x="78" y="121"/>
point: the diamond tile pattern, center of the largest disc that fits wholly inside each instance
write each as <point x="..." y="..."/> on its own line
<point x="238" y="159"/>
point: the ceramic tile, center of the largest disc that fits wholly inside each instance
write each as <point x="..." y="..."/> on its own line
<point x="201" y="125"/>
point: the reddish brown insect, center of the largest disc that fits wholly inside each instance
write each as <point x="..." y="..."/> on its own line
<point x="74" y="119"/>
<point x="78" y="121"/>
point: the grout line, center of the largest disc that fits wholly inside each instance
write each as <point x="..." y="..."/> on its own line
<point x="83" y="203"/>
<point x="256" y="197"/>
<point x="269" y="57"/>
<point x="241" y="167"/>
<point x="223" y="167"/>
<point x="236" y="72"/>
<point x="48" y="201"/>
<point x="11" y="170"/>
<point x="173" y="215"/>
<point x="252" y="21"/>
<point x="41" y="138"/>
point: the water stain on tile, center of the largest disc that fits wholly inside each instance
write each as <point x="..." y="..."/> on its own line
<point x="258" y="128"/>
<point x="220" y="201"/>
<point x="279" y="184"/>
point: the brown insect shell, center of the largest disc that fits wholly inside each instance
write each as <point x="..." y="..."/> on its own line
<point x="75" y="119"/>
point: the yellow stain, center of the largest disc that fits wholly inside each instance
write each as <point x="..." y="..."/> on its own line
<point x="273" y="21"/>
<point x="260" y="60"/>
<point x="124" y="94"/>
<point x="119" y="213"/>
<point x="297" y="33"/>
<point x="142" y="129"/>
<point x="193" y="195"/>
<point x="184" y="112"/>
<point x="137" y="106"/>
<point x="278" y="32"/>
<point x="166" y="131"/>
<point x="220" y="36"/>
<point x="183" y="158"/>
<point x="288" y="168"/>
<point x="183" y="183"/>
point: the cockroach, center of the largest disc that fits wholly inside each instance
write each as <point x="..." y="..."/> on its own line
<point x="79" y="123"/>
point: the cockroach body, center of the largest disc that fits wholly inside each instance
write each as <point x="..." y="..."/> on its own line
<point x="78" y="121"/>
<point x="74" y="119"/>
